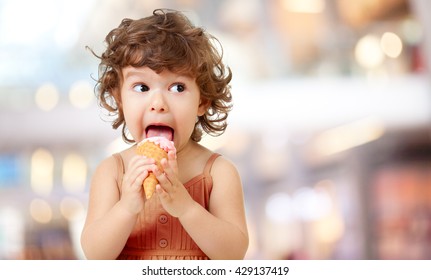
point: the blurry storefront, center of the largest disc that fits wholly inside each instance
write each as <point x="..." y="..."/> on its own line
<point x="330" y="127"/>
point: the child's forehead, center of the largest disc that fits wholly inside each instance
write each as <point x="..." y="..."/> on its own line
<point x="130" y="72"/>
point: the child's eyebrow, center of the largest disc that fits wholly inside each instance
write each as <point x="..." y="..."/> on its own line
<point x="135" y="73"/>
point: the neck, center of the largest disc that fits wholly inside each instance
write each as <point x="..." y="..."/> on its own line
<point x="187" y="151"/>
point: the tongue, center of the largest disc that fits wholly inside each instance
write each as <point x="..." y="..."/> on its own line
<point x="160" y="131"/>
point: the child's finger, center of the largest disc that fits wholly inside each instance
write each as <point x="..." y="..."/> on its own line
<point x="140" y="178"/>
<point x="140" y="160"/>
<point x="161" y="192"/>
<point x="172" y="160"/>
<point x="163" y="180"/>
<point x="169" y="170"/>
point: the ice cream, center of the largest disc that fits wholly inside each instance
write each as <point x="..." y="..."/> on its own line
<point x="156" y="148"/>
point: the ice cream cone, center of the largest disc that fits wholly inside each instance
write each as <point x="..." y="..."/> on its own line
<point x="155" y="149"/>
<point x="150" y="184"/>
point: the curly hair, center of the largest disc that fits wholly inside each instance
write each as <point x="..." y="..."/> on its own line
<point x="166" y="40"/>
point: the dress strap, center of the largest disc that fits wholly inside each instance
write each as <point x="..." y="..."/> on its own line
<point x="208" y="167"/>
<point x="120" y="169"/>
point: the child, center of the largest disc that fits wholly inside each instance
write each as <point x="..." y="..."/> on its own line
<point x="161" y="75"/>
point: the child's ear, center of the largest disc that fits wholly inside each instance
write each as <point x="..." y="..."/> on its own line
<point x="203" y="107"/>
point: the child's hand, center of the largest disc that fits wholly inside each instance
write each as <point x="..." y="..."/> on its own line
<point x="173" y="195"/>
<point x="132" y="192"/>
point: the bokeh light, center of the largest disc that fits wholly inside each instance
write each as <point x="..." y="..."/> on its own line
<point x="42" y="172"/>
<point x="391" y="44"/>
<point x="41" y="211"/>
<point x="368" y="52"/>
<point x="47" y="97"/>
<point x="74" y="173"/>
<point x="81" y="95"/>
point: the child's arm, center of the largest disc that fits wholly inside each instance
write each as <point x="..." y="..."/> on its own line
<point x="221" y="232"/>
<point x="111" y="219"/>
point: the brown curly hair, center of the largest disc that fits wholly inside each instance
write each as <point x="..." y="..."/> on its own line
<point x="166" y="40"/>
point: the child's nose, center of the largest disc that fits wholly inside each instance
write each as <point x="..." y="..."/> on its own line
<point x="158" y="103"/>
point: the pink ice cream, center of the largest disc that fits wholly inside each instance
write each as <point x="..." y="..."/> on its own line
<point x="162" y="142"/>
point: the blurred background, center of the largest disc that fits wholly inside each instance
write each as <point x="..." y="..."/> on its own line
<point x="330" y="128"/>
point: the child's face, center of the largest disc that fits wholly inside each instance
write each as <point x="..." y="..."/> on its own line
<point x="164" y="104"/>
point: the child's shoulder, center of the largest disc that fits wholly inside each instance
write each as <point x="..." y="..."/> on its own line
<point x="226" y="180"/>
<point x="220" y="162"/>
<point x="223" y="164"/>
<point x="114" y="164"/>
<point x="107" y="170"/>
<point x="109" y="163"/>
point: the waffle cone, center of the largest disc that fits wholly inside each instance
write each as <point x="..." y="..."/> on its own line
<point x="151" y="150"/>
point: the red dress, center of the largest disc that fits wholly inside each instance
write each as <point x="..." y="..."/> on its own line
<point x="159" y="236"/>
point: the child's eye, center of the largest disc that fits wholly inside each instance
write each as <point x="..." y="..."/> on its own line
<point x="141" y="88"/>
<point x="178" y="88"/>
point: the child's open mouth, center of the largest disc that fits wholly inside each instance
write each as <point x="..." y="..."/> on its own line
<point x="160" y="131"/>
